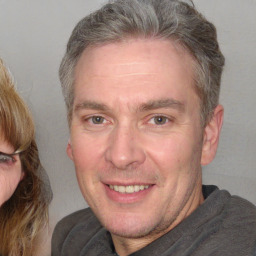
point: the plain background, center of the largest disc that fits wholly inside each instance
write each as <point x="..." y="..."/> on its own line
<point x="33" y="37"/>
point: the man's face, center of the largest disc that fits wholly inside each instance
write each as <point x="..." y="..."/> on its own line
<point x="136" y="139"/>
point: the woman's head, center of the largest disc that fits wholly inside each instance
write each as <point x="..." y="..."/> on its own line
<point x="16" y="135"/>
<point x="10" y="171"/>
<point x="25" y="208"/>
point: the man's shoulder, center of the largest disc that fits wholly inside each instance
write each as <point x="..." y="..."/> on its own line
<point x="236" y="234"/>
<point x="241" y="206"/>
<point x="79" y="227"/>
<point x="240" y="212"/>
<point x="232" y="206"/>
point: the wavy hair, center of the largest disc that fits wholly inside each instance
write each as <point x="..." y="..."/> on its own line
<point x="25" y="214"/>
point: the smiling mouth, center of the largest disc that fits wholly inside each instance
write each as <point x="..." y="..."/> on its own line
<point x="129" y="189"/>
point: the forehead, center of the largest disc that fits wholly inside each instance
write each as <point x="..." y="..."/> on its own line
<point x="142" y="65"/>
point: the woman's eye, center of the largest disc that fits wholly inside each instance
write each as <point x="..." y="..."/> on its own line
<point x="6" y="159"/>
<point x="159" y="120"/>
<point x="97" y="119"/>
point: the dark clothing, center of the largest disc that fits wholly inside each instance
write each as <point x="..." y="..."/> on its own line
<point x="223" y="225"/>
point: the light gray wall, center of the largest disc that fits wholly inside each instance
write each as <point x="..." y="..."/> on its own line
<point x="33" y="35"/>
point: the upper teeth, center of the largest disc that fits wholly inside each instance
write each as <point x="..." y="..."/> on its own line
<point x="128" y="189"/>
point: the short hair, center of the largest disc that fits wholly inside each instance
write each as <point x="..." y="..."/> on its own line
<point x="23" y="216"/>
<point x="172" y="20"/>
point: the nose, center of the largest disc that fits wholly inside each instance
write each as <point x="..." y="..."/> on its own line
<point x="124" y="149"/>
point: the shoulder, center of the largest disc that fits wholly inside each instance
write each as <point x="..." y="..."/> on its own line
<point x="240" y="212"/>
<point x="78" y="226"/>
<point x="231" y="206"/>
<point x="229" y="225"/>
<point x="238" y="228"/>
<point x="238" y="206"/>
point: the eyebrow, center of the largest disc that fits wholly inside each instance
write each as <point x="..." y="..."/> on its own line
<point x="162" y="103"/>
<point x="91" y="105"/>
<point x="150" y="105"/>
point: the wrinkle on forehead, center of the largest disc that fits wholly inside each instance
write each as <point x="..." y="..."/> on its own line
<point x="132" y="69"/>
<point x="127" y="59"/>
<point x="120" y="70"/>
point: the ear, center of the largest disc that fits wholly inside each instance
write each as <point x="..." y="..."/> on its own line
<point x="212" y="135"/>
<point x="69" y="150"/>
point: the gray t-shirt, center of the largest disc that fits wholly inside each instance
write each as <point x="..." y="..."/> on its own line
<point x="223" y="225"/>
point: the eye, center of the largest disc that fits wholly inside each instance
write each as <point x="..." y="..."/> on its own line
<point x="6" y="158"/>
<point x="95" y="122"/>
<point x="96" y="119"/>
<point x="159" y="120"/>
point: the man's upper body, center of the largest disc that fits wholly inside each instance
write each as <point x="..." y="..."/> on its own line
<point x="222" y="225"/>
<point x="141" y="81"/>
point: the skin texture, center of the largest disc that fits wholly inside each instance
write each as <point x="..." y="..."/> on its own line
<point x="136" y="121"/>
<point x="10" y="172"/>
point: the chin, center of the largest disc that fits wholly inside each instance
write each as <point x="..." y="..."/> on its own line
<point x="129" y="232"/>
<point x="130" y="226"/>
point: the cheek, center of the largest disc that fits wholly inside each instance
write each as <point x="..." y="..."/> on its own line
<point x="169" y="151"/>
<point x="8" y="184"/>
<point x="86" y="158"/>
<point x="87" y="151"/>
<point x="86" y="163"/>
<point x="175" y="158"/>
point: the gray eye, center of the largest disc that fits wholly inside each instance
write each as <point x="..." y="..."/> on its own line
<point x="97" y="119"/>
<point x="160" y="120"/>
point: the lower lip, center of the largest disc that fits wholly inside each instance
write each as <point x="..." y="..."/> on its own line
<point x="127" y="198"/>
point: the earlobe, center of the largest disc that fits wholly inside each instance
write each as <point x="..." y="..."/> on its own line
<point x="69" y="150"/>
<point x="211" y="136"/>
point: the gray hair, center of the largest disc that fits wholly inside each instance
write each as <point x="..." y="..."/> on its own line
<point x="164" y="19"/>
